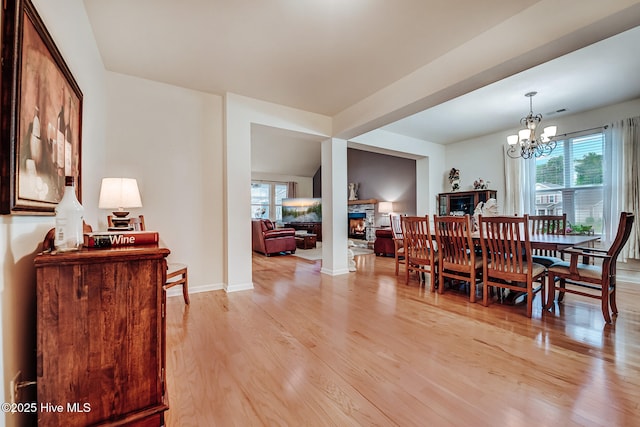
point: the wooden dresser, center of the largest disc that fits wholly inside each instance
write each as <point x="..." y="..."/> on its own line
<point x="101" y="337"/>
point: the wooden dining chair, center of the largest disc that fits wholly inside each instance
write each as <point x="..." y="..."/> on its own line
<point x="507" y="261"/>
<point x="177" y="273"/>
<point x="547" y="224"/>
<point x="458" y="258"/>
<point x="398" y="241"/>
<point x="419" y="250"/>
<point x="594" y="281"/>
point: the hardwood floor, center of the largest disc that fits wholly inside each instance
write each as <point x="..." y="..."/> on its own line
<point x="364" y="349"/>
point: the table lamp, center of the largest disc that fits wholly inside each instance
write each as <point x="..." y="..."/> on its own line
<point x="385" y="208"/>
<point x="119" y="194"/>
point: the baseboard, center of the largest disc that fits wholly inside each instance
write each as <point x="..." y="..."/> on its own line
<point x="238" y="287"/>
<point x="334" y="272"/>
<point x="177" y="290"/>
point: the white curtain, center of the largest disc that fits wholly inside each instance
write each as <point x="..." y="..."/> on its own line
<point x="292" y="189"/>
<point x="622" y="181"/>
<point x="520" y="185"/>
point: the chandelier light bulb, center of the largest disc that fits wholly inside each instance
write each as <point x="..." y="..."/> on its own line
<point x="512" y="139"/>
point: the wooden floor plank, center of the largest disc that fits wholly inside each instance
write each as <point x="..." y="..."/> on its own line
<point x="303" y="348"/>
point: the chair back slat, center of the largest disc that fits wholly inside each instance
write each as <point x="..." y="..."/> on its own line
<point x="547" y="224"/>
<point x="453" y="235"/>
<point x="506" y="246"/>
<point x="417" y="239"/>
<point x="396" y="227"/>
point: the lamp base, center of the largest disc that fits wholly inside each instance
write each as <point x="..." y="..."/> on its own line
<point x="120" y="221"/>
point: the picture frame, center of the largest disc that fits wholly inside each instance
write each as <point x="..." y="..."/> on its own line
<point x="41" y="116"/>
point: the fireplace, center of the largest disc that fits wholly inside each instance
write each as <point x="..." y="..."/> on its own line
<point x="357" y="225"/>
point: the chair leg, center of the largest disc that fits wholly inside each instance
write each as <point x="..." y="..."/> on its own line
<point x="180" y="271"/>
<point x="529" y="300"/>
<point x="543" y="290"/>
<point x="441" y="285"/>
<point x="605" y="303"/>
<point x="561" y="290"/>
<point x="612" y="300"/>
<point x="406" y="272"/>
<point x="551" y="291"/>
<point x="433" y="276"/>
<point x="185" y="288"/>
<point x="472" y="287"/>
<point x="485" y="293"/>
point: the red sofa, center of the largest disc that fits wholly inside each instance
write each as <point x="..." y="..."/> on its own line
<point x="268" y="240"/>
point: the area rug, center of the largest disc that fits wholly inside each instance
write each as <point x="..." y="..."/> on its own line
<point x="316" y="253"/>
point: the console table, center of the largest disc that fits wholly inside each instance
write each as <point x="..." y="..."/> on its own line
<point x="101" y="336"/>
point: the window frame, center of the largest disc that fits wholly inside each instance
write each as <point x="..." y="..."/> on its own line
<point x="274" y="211"/>
<point x="569" y="192"/>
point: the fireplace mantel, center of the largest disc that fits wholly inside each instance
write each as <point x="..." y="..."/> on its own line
<point x="363" y="202"/>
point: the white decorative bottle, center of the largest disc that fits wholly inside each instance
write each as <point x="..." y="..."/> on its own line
<point x="69" y="219"/>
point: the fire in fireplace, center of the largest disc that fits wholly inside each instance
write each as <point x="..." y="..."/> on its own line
<point x="357" y="225"/>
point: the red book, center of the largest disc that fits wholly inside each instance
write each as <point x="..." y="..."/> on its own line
<point x="107" y="239"/>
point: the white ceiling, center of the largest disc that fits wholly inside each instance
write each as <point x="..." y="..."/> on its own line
<point x="324" y="56"/>
<point x="601" y="74"/>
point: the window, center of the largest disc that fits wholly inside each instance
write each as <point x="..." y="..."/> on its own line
<point x="266" y="199"/>
<point x="570" y="180"/>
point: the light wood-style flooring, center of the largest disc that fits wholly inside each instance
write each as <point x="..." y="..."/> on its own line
<point x="364" y="349"/>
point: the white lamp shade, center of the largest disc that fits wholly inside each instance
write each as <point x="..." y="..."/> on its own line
<point x="550" y="131"/>
<point x="512" y="139"/>
<point x="524" y="134"/>
<point x="116" y="193"/>
<point x="385" y="207"/>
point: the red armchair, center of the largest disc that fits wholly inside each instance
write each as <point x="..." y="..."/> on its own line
<point x="268" y="240"/>
<point x="383" y="246"/>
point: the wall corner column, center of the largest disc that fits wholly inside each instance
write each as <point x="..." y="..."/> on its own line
<point x="334" y="207"/>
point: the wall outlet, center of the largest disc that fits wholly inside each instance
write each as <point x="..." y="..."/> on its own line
<point x="13" y="387"/>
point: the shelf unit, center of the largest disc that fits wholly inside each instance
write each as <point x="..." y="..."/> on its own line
<point x="463" y="202"/>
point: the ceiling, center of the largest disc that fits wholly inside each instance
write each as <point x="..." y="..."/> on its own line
<point x="324" y="56"/>
<point x="601" y="74"/>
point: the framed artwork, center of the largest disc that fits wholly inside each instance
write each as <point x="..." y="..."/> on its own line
<point x="41" y="116"/>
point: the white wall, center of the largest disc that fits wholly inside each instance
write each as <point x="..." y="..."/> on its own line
<point x="430" y="162"/>
<point x="240" y="113"/>
<point x="21" y="236"/>
<point x="483" y="157"/>
<point x="170" y="140"/>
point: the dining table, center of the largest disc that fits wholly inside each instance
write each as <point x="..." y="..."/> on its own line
<point x="554" y="242"/>
<point x="551" y="242"/>
<point x="558" y="242"/>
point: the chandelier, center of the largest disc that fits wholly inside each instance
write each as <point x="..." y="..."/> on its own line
<point x="526" y="144"/>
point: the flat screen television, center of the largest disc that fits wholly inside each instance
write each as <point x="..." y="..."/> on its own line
<point x="301" y="210"/>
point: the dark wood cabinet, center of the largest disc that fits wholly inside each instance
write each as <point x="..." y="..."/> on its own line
<point x="463" y="202"/>
<point x="101" y="336"/>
